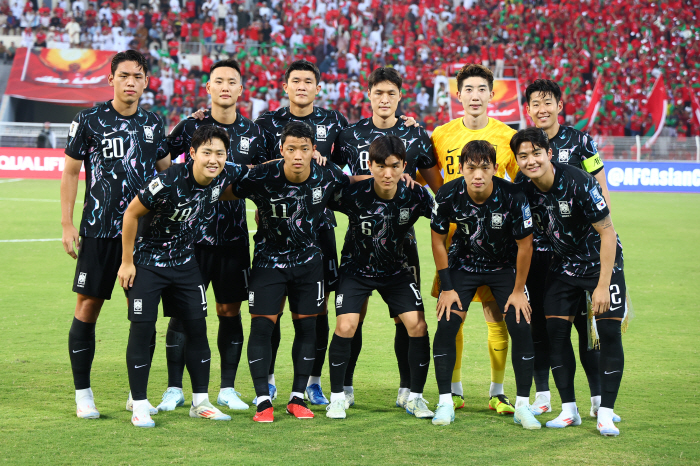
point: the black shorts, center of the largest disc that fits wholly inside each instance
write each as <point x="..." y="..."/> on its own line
<point x="99" y="260"/>
<point x="227" y="268"/>
<point x="410" y="248"/>
<point x="400" y="292"/>
<point x="326" y="240"/>
<point x="563" y="295"/>
<point x="180" y="287"/>
<point x="303" y="285"/>
<point x="466" y="283"/>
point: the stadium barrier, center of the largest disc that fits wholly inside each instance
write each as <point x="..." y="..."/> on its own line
<point x="32" y="163"/>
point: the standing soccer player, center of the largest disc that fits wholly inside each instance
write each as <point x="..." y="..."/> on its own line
<point x="492" y="246"/>
<point x="121" y="145"/>
<point x="475" y="91"/>
<point x="163" y="265"/>
<point x="222" y="249"/>
<point x="576" y="219"/>
<point x="384" y="92"/>
<point x="381" y="212"/>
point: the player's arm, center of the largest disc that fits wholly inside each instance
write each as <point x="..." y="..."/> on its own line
<point x="600" y="176"/>
<point x="164" y="163"/>
<point x="448" y="295"/>
<point x="130" y="225"/>
<point x="228" y="195"/>
<point x="432" y="176"/>
<point x="600" y="300"/>
<point x="69" y="191"/>
<point x="518" y="298"/>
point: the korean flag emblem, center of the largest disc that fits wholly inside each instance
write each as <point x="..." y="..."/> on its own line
<point x="148" y="133"/>
<point x="404" y="215"/>
<point x="496" y="220"/>
<point x="245" y="144"/>
<point x="321" y="132"/>
<point x="564" y="155"/>
<point x="215" y="191"/>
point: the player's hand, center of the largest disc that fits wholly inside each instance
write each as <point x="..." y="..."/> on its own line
<point x="409" y="121"/>
<point x="445" y="302"/>
<point x="321" y="160"/>
<point x="520" y="305"/>
<point x="600" y="300"/>
<point x="257" y="218"/>
<point x="199" y="114"/>
<point x="126" y="275"/>
<point x="71" y="237"/>
<point x="410" y="182"/>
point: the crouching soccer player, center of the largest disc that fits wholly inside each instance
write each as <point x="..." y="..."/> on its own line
<point x="381" y="212"/>
<point x="588" y="257"/>
<point x="492" y="246"/>
<point x="177" y="202"/>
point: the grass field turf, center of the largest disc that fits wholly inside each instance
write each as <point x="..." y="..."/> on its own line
<point x="658" y="401"/>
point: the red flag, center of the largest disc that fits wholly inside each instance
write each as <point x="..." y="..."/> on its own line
<point x="657" y="107"/>
<point x="695" y="106"/>
<point x="589" y="117"/>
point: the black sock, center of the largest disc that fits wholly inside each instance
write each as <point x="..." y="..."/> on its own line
<point x="197" y="354"/>
<point x="138" y="358"/>
<point x="540" y="341"/>
<point x="260" y="352"/>
<point x="152" y="347"/>
<point x="562" y="357"/>
<point x="81" y="349"/>
<point x="522" y="352"/>
<point x="419" y="359"/>
<point x="445" y="352"/>
<point x="612" y="360"/>
<point x="401" y="351"/>
<point x="275" y="344"/>
<point x="339" y="355"/>
<point x="230" y="343"/>
<point x="303" y="351"/>
<point x="355" y="349"/>
<point x="590" y="360"/>
<point x="322" y="330"/>
<point x="175" y="352"/>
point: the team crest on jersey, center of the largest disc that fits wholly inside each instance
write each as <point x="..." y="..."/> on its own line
<point x="321" y="132"/>
<point x="496" y="221"/>
<point x="339" y="301"/>
<point x="598" y="199"/>
<point x="564" y="209"/>
<point x="404" y="215"/>
<point x="215" y="193"/>
<point x="73" y="129"/>
<point x="316" y="195"/>
<point x="251" y="298"/>
<point x="148" y="133"/>
<point x="138" y="306"/>
<point x="81" y="279"/>
<point x="245" y="144"/>
<point x="155" y="186"/>
<point x="564" y="155"/>
<point x="527" y="216"/>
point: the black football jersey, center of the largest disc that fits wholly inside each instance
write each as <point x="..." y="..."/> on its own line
<point x="247" y="147"/>
<point x="119" y="154"/>
<point x="354" y="144"/>
<point x="180" y="207"/>
<point x="290" y="213"/>
<point x="485" y="237"/>
<point x="576" y="148"/>
<point x="567" y="212"/>
<point x="377" y="227"/>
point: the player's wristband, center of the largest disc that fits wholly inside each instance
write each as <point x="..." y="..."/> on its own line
<point x="445" y="280"/>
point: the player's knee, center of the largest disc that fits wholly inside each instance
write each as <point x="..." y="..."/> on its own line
<point x="345" y="329"/>
<point x="447" y="329"/>
<point x="419" y="328"/>
<point x="228" y="309"/>
<point x="88" y="308"/>
<point x="609" y="329"/>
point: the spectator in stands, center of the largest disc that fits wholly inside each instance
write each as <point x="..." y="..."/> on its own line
<point x="73" y="29"/>
<point x="423" y="99"/>
<point x="46" y="138"/>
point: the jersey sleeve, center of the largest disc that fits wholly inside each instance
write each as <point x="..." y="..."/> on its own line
<point x="341" y="148"/>
<point x="163" y="148"/>
<point x="440" y="216"/>
<point x="590" y="198"/>
<point x="425" y="201"/>
<point x="270" y="138"/>
<point x="341" y="179"/>
<point x="177" y="140"/>
<point x="77" y="144"/>
<point x="155" y="191"/>
<point x="426" y="157"/>
<point x="590" y="158"/>
<point x="261" y="154"/>
<point x="233" y="174"/>
<point x="436" y="156"/>
<point x="522" y="217"/>
<point x="342" y="124"/>
<point x="338" y="202"/>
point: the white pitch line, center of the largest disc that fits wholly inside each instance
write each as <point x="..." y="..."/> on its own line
<point x="28" y="240"/>
<point x="12" y="180"/>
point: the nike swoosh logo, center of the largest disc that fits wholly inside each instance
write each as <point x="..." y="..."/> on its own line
<point x="615" y="308"/>
<point x="556" y="367"/>
<point x="584" y="313"/>
<point x="439" y="355"/>
<point x="205" y="360"/>
<point x="452" y="150"/>
<point x="321" y="349"/>
<point x="139" y="367"/>
<point x="236" y="342"/>
<point x="278" y="134"/>
<point x="308" y="359"/>
<point x="418" y="303"/>
<point x="171" y="346"/>
<point x="608" y="373"/>
<point x="362" y="217"/>
<point x="109" y="134"/>
<point x="336" y="365"/>
<point x="276" y="200"/>
<point x="502" y="349"/>
<point x="461" y="219"/>
<point x="423" y="365"/>
<point x="360" y="147"/>
<point x="527" y="359"/>
<point x="183" y="203"/>
<point x="251" y="362"/>
<point x="81" y="350"/>
<point x="332" y="281"/>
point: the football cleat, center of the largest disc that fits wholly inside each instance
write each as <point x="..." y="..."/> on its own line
<point x="565" y="419"/>
<point x="402" y="399"/>
<point x="608" y="429"/>
<point x="541" y="405"/>
<point x="315" y="395"/>
<point x="206" y="410"/>
<point x="458" y="401"/>
<point x="419" y="408"/>
<point x="336" y="410"/>
<point x="142" y="418"/>
<point x="265" y="412"/>
<point x="273" y="393"/>
<point x="297" y="408"/>
<point x="130" y="406"/>
<point x="349" y="398"/>
<point x="86" y="409"/>
<point x="594" y="413"/>
<point x="172" y="398"/>
<point x="501" y="404"/>
<point x="444" y="415"/>
<point x="231" y="398"/>
<point x="524" y="416"/>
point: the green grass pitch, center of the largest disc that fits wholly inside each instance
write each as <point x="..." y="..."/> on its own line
<point x="658" y="401"/>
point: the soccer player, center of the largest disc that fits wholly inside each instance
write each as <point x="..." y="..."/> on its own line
<point x="121" y="145"/>
<point x="384" y="92"/>
<point x="291" y="195"/>
<point x="177" y="202"/>
<point x="576" y="219"/>
<point x="381" y="211"/>
<point x="475" y="91"/>
<point x="222" y="249"/>
<point x="578" y="149"/>
<point x="492" y="246"/>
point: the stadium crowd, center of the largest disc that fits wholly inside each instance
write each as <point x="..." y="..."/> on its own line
<point x="628" y="43"/>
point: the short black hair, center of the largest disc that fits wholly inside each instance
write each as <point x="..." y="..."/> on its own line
<point x="474" y="70"/>
<point x="479" y="152"/>
<point x="383" y="74"/>
<point x="297" y="129"/>
<point x="545" y="87"/>
<point x="230" y="63"/>
<point x="302" y="65"/>
<point x="384" y="147"/>
<point x="535" y="136"/>
<point x="129" y="55"/>
<point x="206" y="133"/>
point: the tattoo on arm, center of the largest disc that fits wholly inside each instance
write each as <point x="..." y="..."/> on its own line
<point x="604" y="224"/>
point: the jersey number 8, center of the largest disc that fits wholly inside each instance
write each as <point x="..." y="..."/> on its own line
<point x="364" y="160"/>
